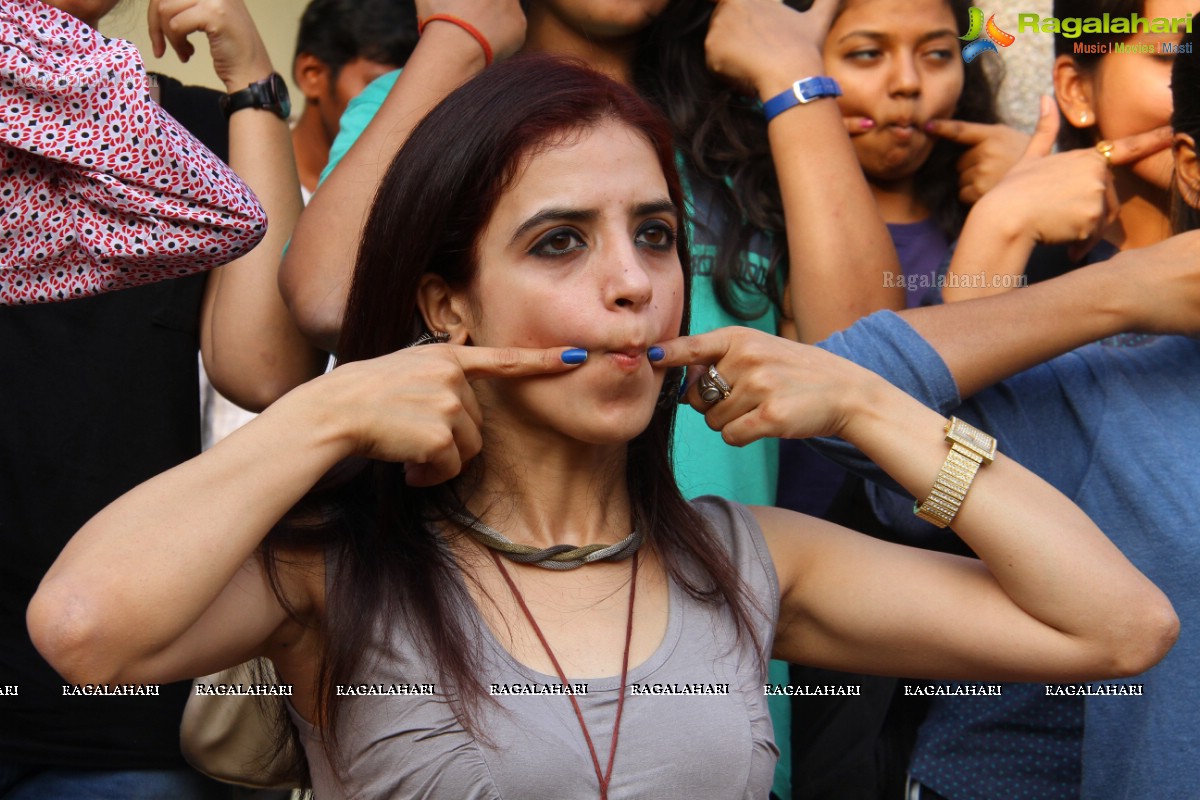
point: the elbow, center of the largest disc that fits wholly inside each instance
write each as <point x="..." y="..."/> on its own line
<point x="254" y="380"/>
<point x="67" y="632"/>
<point x="1146" y="639"/>
<point x="315" y="308"/>
<point x="255" y="393"/>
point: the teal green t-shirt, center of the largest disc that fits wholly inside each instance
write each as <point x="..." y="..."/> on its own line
<point x="704" y="464"/>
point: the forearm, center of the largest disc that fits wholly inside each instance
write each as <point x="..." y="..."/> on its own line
<point x="991" y="253"/>
<point x="1042" y="550"/>
<point x="143" y="570"/>
<point x="316" y="272"/>
<point x="253" y="351"/>
<point x="985" y="341"/>
<point x="839" y="247"/>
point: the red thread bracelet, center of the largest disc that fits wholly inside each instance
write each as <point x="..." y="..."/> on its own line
<point x="466" y="26"/>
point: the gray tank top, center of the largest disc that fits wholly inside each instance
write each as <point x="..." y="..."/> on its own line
<point x="681" y="737"/>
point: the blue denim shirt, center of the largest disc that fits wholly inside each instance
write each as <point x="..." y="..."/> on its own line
<point x="1116" y="429"/>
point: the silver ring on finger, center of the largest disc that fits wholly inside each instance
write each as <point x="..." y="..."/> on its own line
<point x="713" y="387"/>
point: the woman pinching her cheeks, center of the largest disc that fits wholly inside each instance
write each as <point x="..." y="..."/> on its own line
<point x="515" y="539"/>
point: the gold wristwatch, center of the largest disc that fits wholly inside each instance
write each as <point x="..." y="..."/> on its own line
<point x="970" y="448"/>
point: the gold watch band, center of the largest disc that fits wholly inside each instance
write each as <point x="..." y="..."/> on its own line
<point x="970" y="449"/>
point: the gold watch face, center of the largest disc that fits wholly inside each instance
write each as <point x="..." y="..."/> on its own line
<point x="969" y="436"/>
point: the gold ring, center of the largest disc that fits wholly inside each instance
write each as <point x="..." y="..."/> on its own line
<point x="1105" y="148"/>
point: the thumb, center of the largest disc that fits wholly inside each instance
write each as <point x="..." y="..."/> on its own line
<point x="1044" y="135"/>
<point x="515" y="362"/>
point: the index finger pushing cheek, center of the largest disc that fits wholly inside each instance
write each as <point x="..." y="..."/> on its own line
<point x="516" y="362"/>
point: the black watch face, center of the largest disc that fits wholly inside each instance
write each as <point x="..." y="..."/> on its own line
<point x="282" y="100"/>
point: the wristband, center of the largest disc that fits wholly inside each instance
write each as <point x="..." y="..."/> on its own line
<point x="802" y="91"/>
<point x="466" y="26"/>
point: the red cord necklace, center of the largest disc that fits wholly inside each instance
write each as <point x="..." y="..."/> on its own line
<point x="605" y="777"/>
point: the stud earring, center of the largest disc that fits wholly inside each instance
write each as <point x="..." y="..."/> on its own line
<point x="1083" y="118"/>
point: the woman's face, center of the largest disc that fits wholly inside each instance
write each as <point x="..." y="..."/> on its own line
<point x="88" y="11"/>
<point x="898" y="64"/>
<point x="1131" y="91"/>
<point x="580" y="251"/>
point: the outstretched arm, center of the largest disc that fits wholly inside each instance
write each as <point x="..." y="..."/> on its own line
<point x="838" y="246"/>
<point x="1052" y="599"/>
<point x="315" y="276"/>
<point x="163" y="584"/>
<point x="1151" y="290"/>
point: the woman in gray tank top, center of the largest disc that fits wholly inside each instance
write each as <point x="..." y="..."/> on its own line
<point x="485" y="583"/>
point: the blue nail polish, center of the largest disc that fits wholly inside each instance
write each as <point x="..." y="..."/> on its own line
<point x="656" y="353"/>
<point x="574" y="356"/>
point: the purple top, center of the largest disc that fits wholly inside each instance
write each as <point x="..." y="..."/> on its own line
<point x="922" y="249"/>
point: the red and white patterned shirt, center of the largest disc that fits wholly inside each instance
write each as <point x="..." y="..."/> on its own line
<point x="100" y="189"/>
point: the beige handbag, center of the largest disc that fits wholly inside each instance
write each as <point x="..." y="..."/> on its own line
<point x="232" y="737"/>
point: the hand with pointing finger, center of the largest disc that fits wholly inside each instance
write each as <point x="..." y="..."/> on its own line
<point x="777" y="388"/>
<point x="1064" y="198"/>
<point x="1068" y="198"/>
<point x="992" y="152"/>
<point x="417" y="405"/>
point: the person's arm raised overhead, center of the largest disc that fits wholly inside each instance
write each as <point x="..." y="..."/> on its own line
<point x="1052" y="599"/>
<point x="164" y="583"/>
<point x="253" y="352"/>
<point x="838" y="246"/>
<point x="315" y="276"/>
<point x="103" y="189"/>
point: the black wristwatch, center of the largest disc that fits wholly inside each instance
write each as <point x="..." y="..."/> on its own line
<point x="270" y="94"/>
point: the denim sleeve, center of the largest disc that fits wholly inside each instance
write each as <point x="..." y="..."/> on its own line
<point x="1044" y="418"/>
<point x="888" y="346"/>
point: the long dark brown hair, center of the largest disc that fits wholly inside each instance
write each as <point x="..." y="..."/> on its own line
<point x="430" y="210"/>
<point x="722" y="138"/>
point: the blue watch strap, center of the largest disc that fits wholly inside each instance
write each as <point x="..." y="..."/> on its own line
<point x="802" y="91"/>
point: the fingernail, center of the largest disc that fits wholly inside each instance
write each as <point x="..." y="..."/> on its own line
<point x="929" y="126"/>
<point x="867" y="124"/>
<point x="575" y="355"/>
<point x="656" y="353"/>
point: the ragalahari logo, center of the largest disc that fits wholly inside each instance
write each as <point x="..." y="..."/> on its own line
<point x="991" y="33"/>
